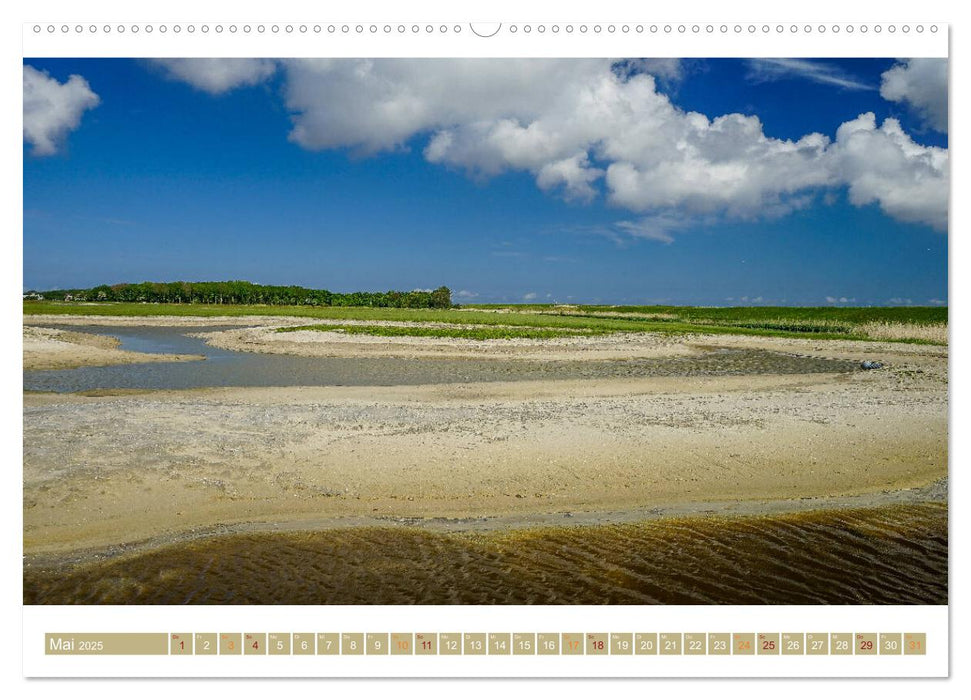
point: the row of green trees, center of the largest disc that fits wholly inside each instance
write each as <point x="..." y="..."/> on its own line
<point x="239" y="292"/>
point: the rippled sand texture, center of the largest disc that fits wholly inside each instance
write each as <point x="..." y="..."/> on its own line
<point x="889" y="555"/>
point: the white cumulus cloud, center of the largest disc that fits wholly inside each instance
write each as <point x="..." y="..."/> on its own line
<point x="573" y="174"/>
<point x="53" y="109"/>
<point x="669" y="70"/>
<point x="921" y="83"/>
<point x="586" y="127"/>
<point x="370" y="105"/>
<point x="218" y="75"/>
<point x="883" y="165"/>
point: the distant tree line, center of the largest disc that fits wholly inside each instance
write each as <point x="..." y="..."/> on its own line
<point x="238" y="292"/>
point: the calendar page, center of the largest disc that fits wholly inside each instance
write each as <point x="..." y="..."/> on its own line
<point x="438" y="347"/>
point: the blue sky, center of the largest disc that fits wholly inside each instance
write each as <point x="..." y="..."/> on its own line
<point x="507" y="181"/>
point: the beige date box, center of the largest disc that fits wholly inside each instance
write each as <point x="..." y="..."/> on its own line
<point x="254" y="643"/>
<point x="206" y="643"/>
<point x="743" y="643"/>
<point x="621" y="643"/>
<point x="891" y="643"/>
<point x="352" y="644"/>
<point x="645" y="643"/>
<point x="304" y="643"/>
<point x="792" y="644"/>
<point x="597" y="643"/>
<point x="180" y="644"/>
<point x="548" y="643"/>
<point x="694" y="643"/>
<point x="426" y="644"/>
<point x="817" y="643"/>
<point x="500" y="643"/>
<point x="524" y="643"/>
<point x="915" y="643"/>
<point x="719" y="643"/>
<point x="475" y="644"/>
<point x="328" y="643"/>
<point x="376" y="643"/>
<point x="841" y="643"/>
<point x="571" y="643"/>
<point x="866" y="643"/>
<point x="767" y="643"/>
<point x="230" y="643"/>
<point x="278" y="643"/>
<point x="402" y="643"/>
<point x="669" y="643"/>
<point x="450" y="644"/>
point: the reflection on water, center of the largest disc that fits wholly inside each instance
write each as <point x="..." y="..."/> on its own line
<point x="228" y="368"/>
<point x="893" y="554"/>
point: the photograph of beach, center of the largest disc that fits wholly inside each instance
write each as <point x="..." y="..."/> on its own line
<point x="485" y="331"/>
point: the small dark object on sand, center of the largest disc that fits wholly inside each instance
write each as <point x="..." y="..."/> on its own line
<point x="870" y="364"/>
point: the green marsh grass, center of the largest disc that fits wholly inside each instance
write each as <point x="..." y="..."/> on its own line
<point x="897" y="324"/>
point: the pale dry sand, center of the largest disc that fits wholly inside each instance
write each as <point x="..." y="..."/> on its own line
<point x="263" y="338"/>
<point x="109" y="470"/>
<point x="52" y="348"/>
<point x="258" y="334"/>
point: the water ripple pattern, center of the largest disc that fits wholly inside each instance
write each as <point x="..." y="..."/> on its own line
<point x="883" y="555"/>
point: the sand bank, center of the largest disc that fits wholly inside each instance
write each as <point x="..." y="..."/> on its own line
<point x="101" y="471"/>
<point x="258" y="334"/>
<point x="266" y="339"/>
<point x="263" y="338"/>
<point x="51" y="348"/>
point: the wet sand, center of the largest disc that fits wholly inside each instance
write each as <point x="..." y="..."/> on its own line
<point x="52" y="348"/>
<point x="886" y="555"/>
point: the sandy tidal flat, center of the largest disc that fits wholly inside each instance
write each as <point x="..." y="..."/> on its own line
<point x="53" y="348"/>
<point x="106" y="471"/>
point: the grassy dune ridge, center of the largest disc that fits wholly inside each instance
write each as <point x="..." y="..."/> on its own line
<point x="925" y="325"/>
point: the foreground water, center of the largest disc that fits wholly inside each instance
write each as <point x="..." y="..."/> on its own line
<point x="888" y="555"/>
<point x="225" y="368"/>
